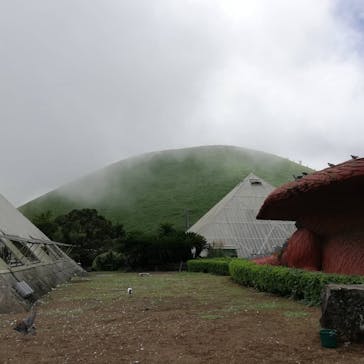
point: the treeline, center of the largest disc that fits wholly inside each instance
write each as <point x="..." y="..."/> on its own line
<point x="102" y="245"/>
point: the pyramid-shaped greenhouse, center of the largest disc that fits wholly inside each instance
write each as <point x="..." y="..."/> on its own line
<point x="30" y="263"/>
<point x="232" y="225"/>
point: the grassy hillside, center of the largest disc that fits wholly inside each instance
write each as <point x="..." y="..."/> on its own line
<point x="144" y="191"/>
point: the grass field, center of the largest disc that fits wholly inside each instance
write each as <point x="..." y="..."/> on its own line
<point x="169" y="318"/>
<point x="145" y="191"/>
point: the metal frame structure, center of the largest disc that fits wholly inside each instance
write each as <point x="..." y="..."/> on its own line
<point x="17" y="251"/>
<point x="231" y="225"/>
<point x="28" y="258"/>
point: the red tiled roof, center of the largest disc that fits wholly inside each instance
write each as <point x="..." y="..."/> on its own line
<point x="336" y="188"/>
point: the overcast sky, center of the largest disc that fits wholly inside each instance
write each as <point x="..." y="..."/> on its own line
<point x="84" y="83"/>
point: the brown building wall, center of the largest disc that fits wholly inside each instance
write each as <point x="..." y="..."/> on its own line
<point x="303" y="251"/>
<point x="333" y="244"/>
<point x="328" y="223"/>
<point x="344" y="254"/>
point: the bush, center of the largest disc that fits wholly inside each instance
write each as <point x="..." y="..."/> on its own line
<point x="218" y="266"/>
<point x="108" y="261"/>
<point x="168" y="248"/>
<point x="295" y="283"/>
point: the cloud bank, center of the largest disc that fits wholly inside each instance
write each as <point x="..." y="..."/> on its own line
<point x="86" y="83"/>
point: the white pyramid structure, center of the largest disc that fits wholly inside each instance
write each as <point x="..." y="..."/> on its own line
<point x="30" y="263"/>
<point x="231" y="224"/>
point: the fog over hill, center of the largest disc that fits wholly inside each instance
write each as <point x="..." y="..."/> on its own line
<point x="87" y="83"/>
<point x="165" y="186"/>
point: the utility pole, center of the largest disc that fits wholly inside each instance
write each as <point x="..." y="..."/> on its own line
<point x="187" y="219"/>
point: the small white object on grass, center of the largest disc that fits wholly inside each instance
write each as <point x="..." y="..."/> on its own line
<point x="144" y="274"/>
<point x="130" y="290"/>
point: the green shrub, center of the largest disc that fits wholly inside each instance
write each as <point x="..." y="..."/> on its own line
<point x="218" y="266"/>
<point x="295" y="283"/>
<point x="168" y="247"/>
<point x="289" y="282"/>
<point x="108" y="261"/>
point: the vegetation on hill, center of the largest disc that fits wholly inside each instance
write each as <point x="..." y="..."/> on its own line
<point x="86" y="230"/>
<point x="176" y="186"/>
<point x="99" y="243"/>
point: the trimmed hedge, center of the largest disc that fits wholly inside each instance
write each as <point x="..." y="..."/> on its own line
<point x="296" y="283"/>
<point x="289" y="282"/>
<point x="218" y="266"/>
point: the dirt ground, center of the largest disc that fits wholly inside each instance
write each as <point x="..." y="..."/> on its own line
<point x="169" y="318"/>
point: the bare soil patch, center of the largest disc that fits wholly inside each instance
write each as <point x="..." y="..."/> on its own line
<point x="169" y="318"/>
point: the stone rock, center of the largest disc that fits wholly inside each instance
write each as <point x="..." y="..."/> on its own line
<point x="342" y="309"/>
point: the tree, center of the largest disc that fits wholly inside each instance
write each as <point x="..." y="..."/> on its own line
<point x="166" y="229"/>
<point x="45" y="223"/>
<point x="89" y="232"/>
<point x="196" y="241"/>
<point x="108" y="261"/>
<point x="168" y="246"/>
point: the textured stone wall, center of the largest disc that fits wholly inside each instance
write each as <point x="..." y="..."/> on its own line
<point x="343" y="310"/>
<point x="40" y="277"/>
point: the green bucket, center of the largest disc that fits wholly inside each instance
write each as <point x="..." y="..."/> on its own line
<point x="328" y="338"/>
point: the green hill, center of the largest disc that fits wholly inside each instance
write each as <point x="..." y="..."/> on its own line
<point x="144" y="191"/>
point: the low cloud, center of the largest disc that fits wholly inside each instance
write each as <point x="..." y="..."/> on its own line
<point x="87" y="83"/>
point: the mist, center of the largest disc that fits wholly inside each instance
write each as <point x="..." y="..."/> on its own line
<point x="86" y="83"/>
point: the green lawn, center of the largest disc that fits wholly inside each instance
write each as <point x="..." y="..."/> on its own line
<point x="219" y="294"/>
<point x="170" y="318"/>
